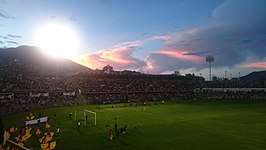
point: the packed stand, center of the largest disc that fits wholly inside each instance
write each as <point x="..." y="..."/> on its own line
<point x="20" y="93"/>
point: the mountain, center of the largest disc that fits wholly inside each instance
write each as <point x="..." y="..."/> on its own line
<point x="30" y="59"/>
<point x="255" y="76"/>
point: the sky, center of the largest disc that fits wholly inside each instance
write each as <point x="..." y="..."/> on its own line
<point x="150" y="36"/>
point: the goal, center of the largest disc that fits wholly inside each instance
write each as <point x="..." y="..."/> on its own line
<point x="89" y="115"/>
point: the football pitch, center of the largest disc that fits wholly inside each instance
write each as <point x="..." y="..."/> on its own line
<point x="185" y="125"/>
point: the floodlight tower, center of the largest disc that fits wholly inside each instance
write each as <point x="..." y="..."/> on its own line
<point x="210" y="59"/>
<point x="225" y="74"/>
<point x="56" y="70"/>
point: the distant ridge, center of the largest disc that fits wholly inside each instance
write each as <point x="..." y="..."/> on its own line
<point x="33" y="60"/>
<point x="255" y="76"/>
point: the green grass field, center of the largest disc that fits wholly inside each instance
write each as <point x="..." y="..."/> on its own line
<point x="219" y="125"/>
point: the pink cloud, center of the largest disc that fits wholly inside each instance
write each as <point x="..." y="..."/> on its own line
<point x="181" y="54"/>
<point x="119" y="56"/>
<point x="261" y="65"/>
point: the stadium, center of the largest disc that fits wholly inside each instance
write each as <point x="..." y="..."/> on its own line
<point x="132" y="75"/>
<point x="159" y="111"/>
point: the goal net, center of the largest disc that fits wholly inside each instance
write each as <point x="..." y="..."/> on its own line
<point x="89" y="117"/>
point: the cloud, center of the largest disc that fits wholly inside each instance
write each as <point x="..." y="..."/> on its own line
<point x="260" y="65"/>
<point x="161" y="62"/>
<point x="9" y="38"/>
<point x="201" y="53"/>
<point x="160" y="37"/>
<point x="5" y="15"/>
<point x="235" y="33"/>
<point x="52" y="17"/>
<point x="119" y="56"/>
<point x="4" y="37"/>
<point x="14" y="36"/>
<point x="246" y="40"/>
<point x="104" y="1"/>
<point x="145" y="33"/>
<point x="73" y="18"/>
<point x="180" y="54"/>
<point x="3" y="2"/>
<point x="12" y="42"/>
<point x="1" y="42"/>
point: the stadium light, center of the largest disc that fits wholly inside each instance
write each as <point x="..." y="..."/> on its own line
<point x="57" y="70"/>
<point x="210" y="59"/>
<point x="225" y="74"/>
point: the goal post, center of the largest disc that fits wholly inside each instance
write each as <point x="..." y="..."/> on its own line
<point x="90" y="112"/>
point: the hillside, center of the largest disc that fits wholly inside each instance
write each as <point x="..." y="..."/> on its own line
<point x="255" y="76"/>
<point x="32" y="60"/>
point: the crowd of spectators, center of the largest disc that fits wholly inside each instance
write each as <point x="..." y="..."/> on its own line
<point x="27" y="103"/>
<point x="221" y="95"/>
<point x="234" y="84"/>
<point x="34" y="83"/>
<point x="23" y="92"/>
<point x="109" y="84"/>
<point x="30" y="92"/>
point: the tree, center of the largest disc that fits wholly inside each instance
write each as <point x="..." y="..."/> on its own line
<point x="177" y="73"/>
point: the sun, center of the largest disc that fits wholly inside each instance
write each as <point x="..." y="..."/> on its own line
<point x="58" y="40"/>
